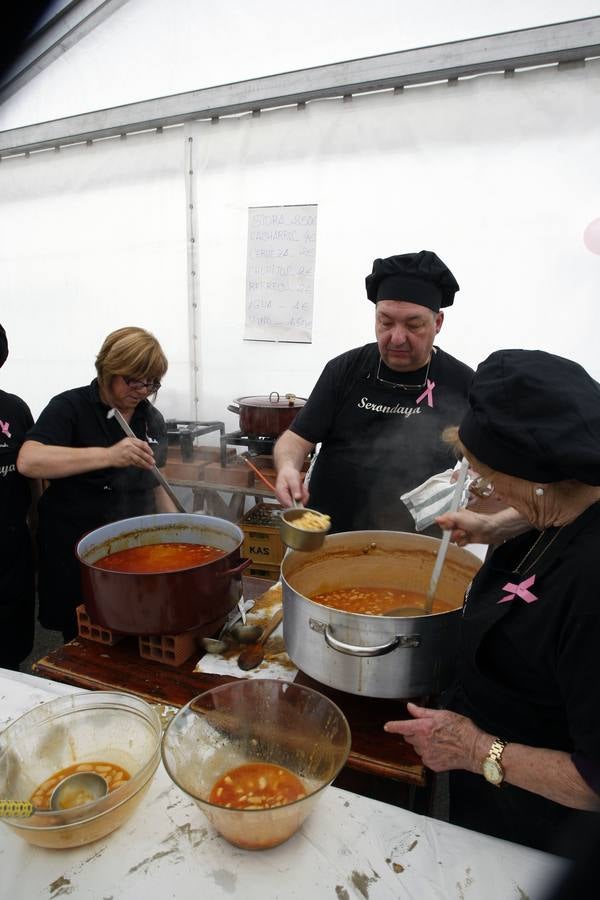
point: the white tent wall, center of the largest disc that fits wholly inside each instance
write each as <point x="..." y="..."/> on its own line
<point x="154" y="48"/>
<point x="479" y="172"/>
<point x="498" y="175"/>
<point x="91" y="239"/>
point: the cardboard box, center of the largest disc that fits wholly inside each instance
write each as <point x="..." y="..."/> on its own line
<point x="262" y="542"/>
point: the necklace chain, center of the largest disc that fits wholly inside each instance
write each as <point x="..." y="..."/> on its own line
<point x="403" y="387"/>
<point x="523" y="571"/>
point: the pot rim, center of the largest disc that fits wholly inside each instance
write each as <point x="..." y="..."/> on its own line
<point x="156" y="521"/>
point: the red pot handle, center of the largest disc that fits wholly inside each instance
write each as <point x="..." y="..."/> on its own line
<point x="233" y="409"/>
<point x="243" y="565"/>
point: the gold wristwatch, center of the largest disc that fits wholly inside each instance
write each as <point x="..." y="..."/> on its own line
<point x="492" y="764"/>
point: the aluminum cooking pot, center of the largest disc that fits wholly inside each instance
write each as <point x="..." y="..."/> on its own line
<point x="376" y="656"/>
<point x="267" y="416"/>
<point x="199" y="597"/>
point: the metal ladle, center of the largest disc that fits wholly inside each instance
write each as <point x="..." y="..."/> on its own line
<point x="90" y="784"/>
<point x="296" y="538"/>
<point x="114" y="413"/>
<point x="240" y="631"/>
<point x="300" y="538"/>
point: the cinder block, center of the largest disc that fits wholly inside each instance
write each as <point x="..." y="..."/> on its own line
<point x="91" y="631"/>
<point x="170" y="649"/>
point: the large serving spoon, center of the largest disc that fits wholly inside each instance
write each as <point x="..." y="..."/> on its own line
<point x="253" y="655"/>
<point x="114" y="413"/>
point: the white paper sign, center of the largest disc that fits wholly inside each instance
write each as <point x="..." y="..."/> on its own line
<point x="280" y="273"/>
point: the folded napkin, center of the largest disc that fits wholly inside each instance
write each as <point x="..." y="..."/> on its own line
<point x="276" y="663"/>
<point x="433" y="498"/>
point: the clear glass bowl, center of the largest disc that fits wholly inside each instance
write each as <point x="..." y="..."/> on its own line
<point x="259" y="720"/>
<point x="95" y="726"/>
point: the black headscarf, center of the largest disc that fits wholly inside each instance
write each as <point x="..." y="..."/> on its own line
<point x="536" y="416"/>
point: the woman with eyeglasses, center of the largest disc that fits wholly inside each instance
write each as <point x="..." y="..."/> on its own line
<point x="520" y="731"/>
<point x="94" y="474"/>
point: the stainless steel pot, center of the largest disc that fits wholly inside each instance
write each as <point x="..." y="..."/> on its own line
<point x="375" y="656"/>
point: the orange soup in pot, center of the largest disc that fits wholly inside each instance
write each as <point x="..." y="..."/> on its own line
<point x="377" y="601"/>
<point x="161" y="557"/>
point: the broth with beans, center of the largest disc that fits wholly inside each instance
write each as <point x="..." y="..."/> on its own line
<point x="377" y="601"/>
<point x="257" y="786"/>
<point x="114" y="775"/>
<point x="161" y="557"/>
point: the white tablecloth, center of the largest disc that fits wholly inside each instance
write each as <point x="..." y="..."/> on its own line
<point x="350" y="848"/>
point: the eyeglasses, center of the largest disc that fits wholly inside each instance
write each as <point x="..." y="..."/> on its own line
<point x="481" y="487"/>
<point x="150" y="386"/>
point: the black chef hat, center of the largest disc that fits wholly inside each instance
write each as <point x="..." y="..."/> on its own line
<point x="3" y="346"/>
<point x="420" y="278"/>
<point x="535" y="416"/>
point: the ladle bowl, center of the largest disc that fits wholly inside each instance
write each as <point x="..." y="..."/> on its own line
<point x="299" y="538"/>
<point x="77" y="789"/>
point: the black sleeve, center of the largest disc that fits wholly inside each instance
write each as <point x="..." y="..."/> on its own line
<point x="56" y="424"/>
<point x="315" y="419"/>
<point x="578" y="670"/>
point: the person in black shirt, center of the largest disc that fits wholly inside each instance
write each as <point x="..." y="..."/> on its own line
<point x="520" y="733"/>
<point x="378" y="411"/>
<point x="95" y="474"/>
<point x="17" y="590"/>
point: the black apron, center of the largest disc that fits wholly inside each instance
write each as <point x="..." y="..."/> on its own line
<point x="490" y="691"/>
<point x="17" y="595"/>
<point x="383" y="444"/>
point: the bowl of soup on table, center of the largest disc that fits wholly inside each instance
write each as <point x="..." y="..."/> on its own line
<point x="256" y="755"/>
<point x="111" y="734"/>
<point x="162" y="574"/>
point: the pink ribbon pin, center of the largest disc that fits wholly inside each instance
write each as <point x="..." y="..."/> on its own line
<point x="519" y="590"/>
<point x="4" y="426"/>
<point x="428" y="392"/>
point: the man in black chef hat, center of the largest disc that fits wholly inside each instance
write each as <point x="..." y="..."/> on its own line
<point x="378" y="411"/>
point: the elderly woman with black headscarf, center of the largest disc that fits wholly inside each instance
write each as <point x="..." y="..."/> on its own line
<point x="17" y="593"/>
<point x="520" y="732"/>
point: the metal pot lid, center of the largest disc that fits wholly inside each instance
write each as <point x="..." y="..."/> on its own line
<point x="274" y="400"/>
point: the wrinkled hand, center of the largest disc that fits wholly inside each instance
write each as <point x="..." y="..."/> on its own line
<point x="290" y="486"/>
<point x="469" y="527"/>
<point x="444" y="740"/>
<point x="131" y="452"/>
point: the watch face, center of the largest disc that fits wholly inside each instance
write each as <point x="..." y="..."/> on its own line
<point x="492" y="771"/>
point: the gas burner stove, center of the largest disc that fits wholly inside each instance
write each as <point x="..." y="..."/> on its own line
<point x="183" y="433"/>
<point x="257" y="444"/>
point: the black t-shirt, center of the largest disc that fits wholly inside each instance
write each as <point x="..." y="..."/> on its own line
<point x="529" y="672"/>
<point x="72" y="506"/>
<point x="15" y="495"/>
<point x="77" y="418"/>
<point x="380" y="433"/>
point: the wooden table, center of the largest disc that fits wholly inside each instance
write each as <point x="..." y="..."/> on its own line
<point x="381" y="766"/>
<point x="207" y="497"/>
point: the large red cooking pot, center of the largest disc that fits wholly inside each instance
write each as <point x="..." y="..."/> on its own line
<point x="163" y="602"/>
<point x="267" y="416"/>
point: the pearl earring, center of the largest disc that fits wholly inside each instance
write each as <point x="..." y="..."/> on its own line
<point x="539" y="491"/>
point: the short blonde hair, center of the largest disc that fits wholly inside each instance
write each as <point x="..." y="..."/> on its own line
<point x="132" y="352"/>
